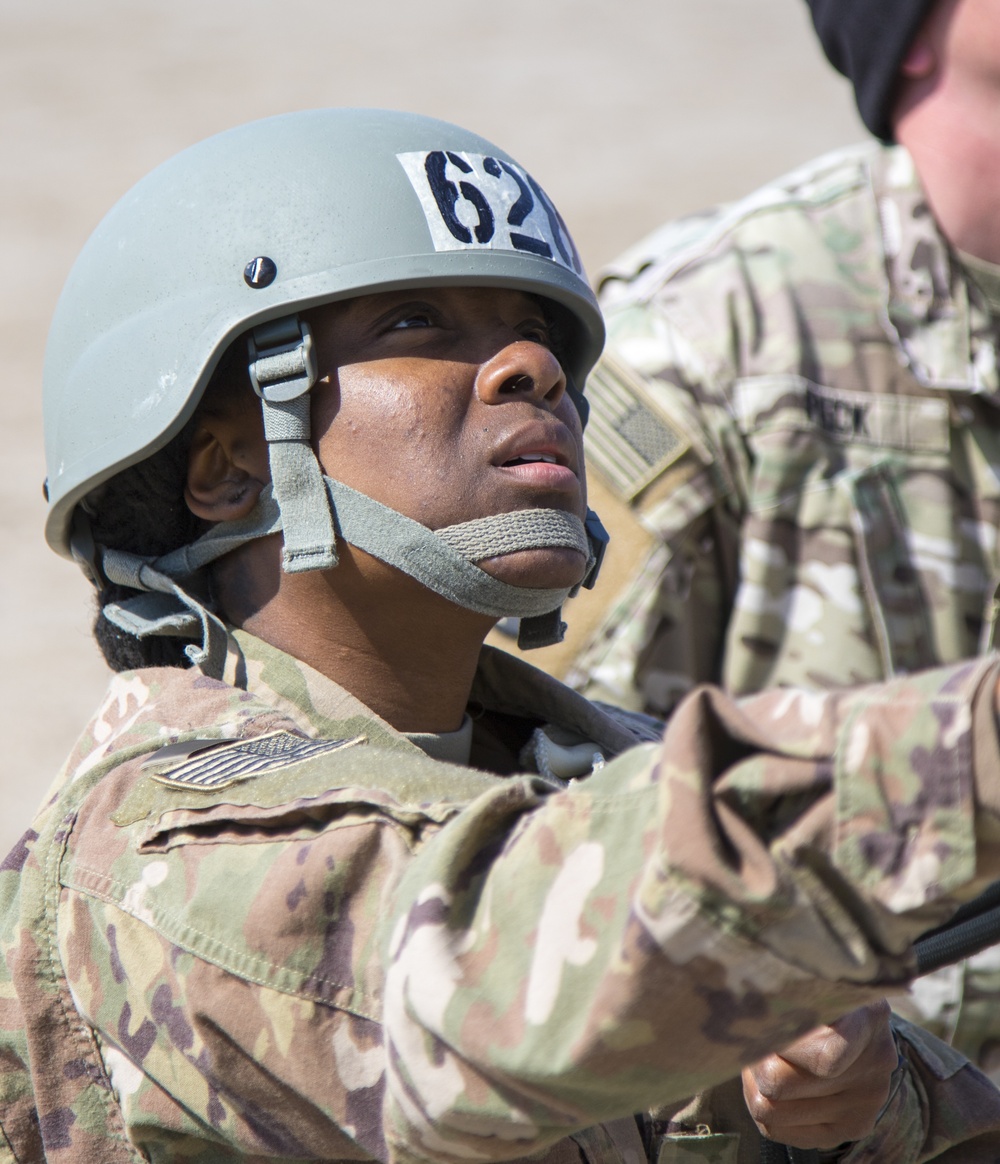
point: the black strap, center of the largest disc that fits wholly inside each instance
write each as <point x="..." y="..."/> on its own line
<point x="974" y="927"/>
<point x="772" y="1153"/>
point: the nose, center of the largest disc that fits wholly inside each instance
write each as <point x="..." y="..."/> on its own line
<point x="522" y="370"/>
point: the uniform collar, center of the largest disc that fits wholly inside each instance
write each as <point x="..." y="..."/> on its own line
<point x="503" y="684"/>
<point x="942" y="325"/>
<point x="452" y="747"/>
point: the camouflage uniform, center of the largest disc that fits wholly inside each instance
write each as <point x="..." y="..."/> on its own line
<point x="800" y="410"/>
<point x="316" y="942"/>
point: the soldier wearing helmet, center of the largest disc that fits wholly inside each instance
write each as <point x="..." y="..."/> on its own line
<point x="797" y="419"/>
<point x="322" y="878"/>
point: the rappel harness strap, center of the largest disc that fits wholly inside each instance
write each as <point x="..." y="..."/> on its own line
<point x="973" y="928"/>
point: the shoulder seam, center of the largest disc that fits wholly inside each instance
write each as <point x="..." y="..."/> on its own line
<point x="846" y="172"/>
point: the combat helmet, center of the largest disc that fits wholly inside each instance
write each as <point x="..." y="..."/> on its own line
<point x="239" y="235"/>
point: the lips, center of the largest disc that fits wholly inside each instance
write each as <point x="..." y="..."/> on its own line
<point x="531" y="458"/>
<point x="538" y="444"/>
<point x="542" y="458"/>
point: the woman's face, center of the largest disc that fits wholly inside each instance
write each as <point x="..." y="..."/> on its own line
<point x="449" y="404"/>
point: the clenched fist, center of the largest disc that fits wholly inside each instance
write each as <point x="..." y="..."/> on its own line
<point x="829" y="1086"/>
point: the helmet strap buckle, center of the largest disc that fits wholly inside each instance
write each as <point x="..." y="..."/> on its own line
<point x="282" y="359"/>
<point x="597" y="538"/>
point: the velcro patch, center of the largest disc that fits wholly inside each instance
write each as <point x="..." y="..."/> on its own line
<point x="218" y="767"/>
<point x="629" y="439"/>
<point x="917" y="424"/>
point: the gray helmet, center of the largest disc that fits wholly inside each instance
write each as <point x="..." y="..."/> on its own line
<point x="239" y="234"/>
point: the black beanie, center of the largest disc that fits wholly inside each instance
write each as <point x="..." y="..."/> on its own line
<point x="866" y="40"/>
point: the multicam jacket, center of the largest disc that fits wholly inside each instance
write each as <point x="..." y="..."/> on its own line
<point x="800" y="409"/>
<point x="253" y="922"/>
<point x="816" y="377"/>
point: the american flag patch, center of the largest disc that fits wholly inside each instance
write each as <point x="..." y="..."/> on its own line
<point x="231" y="762"/>
<point x="629" y="437"/>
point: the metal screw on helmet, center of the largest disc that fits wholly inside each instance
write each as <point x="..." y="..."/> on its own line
<point x="260" y="272"/>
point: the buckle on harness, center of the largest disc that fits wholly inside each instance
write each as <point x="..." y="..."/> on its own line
<point x="282" y="360"/>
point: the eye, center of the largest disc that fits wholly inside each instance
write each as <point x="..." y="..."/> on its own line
<point x="538" y="331"/>
<point x="411" y="318"/>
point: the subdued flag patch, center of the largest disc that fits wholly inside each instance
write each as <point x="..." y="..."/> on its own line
<point x="630" y="439"/>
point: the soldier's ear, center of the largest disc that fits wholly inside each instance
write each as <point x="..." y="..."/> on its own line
<point x="928" y="51"/>
<point x="920" y="60"/>
<point x="227" y="465"/>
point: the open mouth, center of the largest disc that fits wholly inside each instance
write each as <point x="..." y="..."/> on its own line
<point x="541" y="453"/>
<point x="531" y="459"/>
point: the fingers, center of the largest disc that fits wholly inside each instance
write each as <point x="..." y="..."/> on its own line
<point x="859" y="1041"/>
<point x="796" y="1123"/>
<point x="829" y="1086"/>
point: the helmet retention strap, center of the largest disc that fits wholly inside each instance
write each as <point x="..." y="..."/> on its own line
<point x="283" y="370"/>
<point x="185" y="617"/>
<point x="443" y="560"/>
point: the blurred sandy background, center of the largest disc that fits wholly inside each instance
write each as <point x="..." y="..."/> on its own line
<point x="628" y="111"/>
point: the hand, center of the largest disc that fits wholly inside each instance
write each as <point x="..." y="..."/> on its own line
<point x="828" y="1087"/>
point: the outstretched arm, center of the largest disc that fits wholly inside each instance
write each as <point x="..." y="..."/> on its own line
<point x="568" y="958"/>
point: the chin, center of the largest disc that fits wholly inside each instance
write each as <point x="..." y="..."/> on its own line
<point x="544" y="569"/>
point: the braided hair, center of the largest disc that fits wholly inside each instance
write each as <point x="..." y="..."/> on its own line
<point x="142" y="510"/>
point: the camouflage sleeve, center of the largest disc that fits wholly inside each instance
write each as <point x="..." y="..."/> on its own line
<point x="555" y="958"/>
<point x="636" y="938"/>
<point x="941" y="1108"/>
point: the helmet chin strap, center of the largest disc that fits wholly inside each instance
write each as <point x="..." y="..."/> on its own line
<point x="443" y="560"/>
<point x="311" y="510"/>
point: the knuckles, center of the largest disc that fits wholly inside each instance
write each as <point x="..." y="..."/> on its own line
<point x="771" y="1082"/>
<point x="829" y="1087"/>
